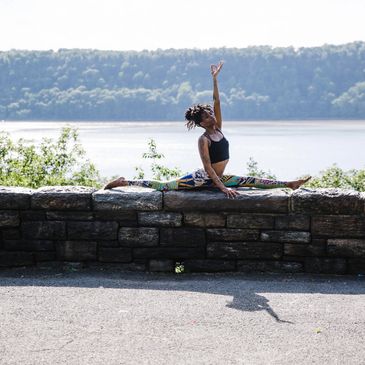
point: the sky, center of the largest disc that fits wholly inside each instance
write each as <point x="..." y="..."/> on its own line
<point x="163" y="24"/>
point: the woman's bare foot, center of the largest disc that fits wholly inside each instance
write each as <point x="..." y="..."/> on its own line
<point x="117" y="182"/>
<point x="297" y="183"/>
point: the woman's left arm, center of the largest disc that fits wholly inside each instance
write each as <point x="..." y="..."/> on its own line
<point x="217" y="105"/>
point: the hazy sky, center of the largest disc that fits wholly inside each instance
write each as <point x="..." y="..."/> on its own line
<point x="152" y="24"/>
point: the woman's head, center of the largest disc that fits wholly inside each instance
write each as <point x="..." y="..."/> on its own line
<point x="201" y="115"/>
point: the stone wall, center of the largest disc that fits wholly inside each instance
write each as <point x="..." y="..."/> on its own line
<point x="274" y="230"/>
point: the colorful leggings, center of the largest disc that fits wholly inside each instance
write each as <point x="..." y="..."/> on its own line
<point x="200" y="178"/>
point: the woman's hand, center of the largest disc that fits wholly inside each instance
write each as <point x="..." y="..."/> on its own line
<point x="214" y="69"/>
<point x="231" y="193"/>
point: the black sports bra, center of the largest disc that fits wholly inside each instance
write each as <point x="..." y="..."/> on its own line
<point x="218" y="150"/>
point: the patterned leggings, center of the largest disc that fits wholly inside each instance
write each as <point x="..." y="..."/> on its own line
<point x="200" y="178"/>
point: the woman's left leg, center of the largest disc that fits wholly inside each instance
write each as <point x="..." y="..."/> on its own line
<point x="252" y="182"/>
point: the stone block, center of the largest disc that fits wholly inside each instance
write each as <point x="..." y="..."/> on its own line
<point x="286" y="236"/>
<point x="202" y="219"/>
<point x="43" y="230"/>
<point x="325" y="265"/>
<point x="293" y="222"/>
<point x="13" y="197"/>
<point x="356" y="266"/>
<point x="50" y="265"/>
<point x="293" y="258"/>
<point x="10" y="259"/>
<point x="350" y="247"/>
<point x="232" y="234"/>
<point x="262" y="221"/>
<point x="174" y="253"/>
<point x="10" y="233"/>
<point x="209" y="265"/>
<point x="138" y="237"/>
<point x="42" y="256"/>
<point x="121" y="254"/>
<point x="62" y="197"/>
<point x="162" y="265"/>
<point x="127" y="198"/>
<point x="76" y="250"/>
<point x="124" y="218"/>
<point x="73" y="266"/>
<point x="92" y="230"/>
<point x="300" y="249"/>
<point x="269" y="266"/>
<point x="160" y="219"/>
<point x="69" y="216"/>
<point x="339" y="226"/>
<point x="251" y="200"/>
<point x="244" y="250"/>
<point x="322" y="242"/>
<point x="327" y="201"/>
<point x="135" y="266"/>
<point x="9" y="218"/>
<point x="182" y="237"/>
<point x="109" y="243"/>
<point x="28" y="245"/>
<point x="32" y="215"/>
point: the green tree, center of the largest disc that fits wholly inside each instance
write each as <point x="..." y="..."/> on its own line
<point x="258" y="83"/>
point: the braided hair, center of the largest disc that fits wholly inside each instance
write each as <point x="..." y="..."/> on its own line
<point x="193" y="115"/>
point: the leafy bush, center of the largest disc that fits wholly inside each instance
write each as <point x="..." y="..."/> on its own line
<point x="60" y="162"/>
<point x="332" y="177"/>
<point x="159" y="172"/>
<point x="335" y="177"/>
<point x="253" y="170"/>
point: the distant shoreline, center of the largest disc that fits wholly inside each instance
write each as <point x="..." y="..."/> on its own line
<point x="258" y="83"/>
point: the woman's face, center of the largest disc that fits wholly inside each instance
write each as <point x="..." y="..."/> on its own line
<point x="208" y="118"/>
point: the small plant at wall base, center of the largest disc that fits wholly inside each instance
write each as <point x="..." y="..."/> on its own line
<point x="179" y="267"/>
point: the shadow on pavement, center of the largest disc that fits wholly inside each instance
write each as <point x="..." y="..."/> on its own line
<point x="247" y="289"/>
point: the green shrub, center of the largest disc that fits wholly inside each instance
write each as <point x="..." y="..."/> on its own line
<point x="332" y="177"/>
<point x="60" y="162"/>
<point x="159" y="172"/>
<point x="253" y="170"/>
<point x="335" y="177"/>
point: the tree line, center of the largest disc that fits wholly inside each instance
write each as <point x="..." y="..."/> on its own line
<point x="258" y="82"/>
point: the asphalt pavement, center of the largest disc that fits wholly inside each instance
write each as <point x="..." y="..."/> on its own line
<point x="91" y="316"/>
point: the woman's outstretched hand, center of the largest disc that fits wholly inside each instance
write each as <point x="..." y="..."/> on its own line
<point x="214" y="69"/>
<point x="231" y="193"/>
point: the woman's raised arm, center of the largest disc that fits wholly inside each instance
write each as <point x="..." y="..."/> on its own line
<point x="214" y="69"/>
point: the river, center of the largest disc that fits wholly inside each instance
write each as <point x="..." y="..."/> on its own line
<point x="288" y="149"/>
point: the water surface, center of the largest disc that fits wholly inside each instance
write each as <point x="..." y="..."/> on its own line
<point x="288" y="149"/>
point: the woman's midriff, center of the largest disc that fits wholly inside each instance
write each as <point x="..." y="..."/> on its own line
<point x="219" y="167"/>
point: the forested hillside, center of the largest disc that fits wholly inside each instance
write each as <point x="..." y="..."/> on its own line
<point x="255" y="83"/>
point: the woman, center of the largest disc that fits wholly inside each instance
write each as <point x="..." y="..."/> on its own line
<point x="214" y="153"/>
